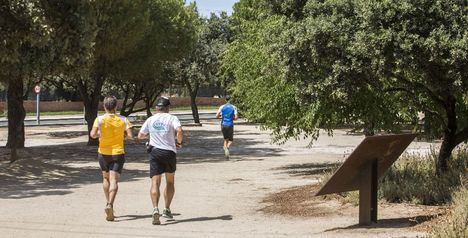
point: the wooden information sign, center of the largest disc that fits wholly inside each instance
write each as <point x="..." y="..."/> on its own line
<point x="362" y="169"/>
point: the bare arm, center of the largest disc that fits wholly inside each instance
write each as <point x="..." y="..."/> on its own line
<point x="218" y="114"/>
<point x="236" y="115"/>
<point x="180" y="137"/>
<point x="129" y="133"/>
<point x="142" y="136"/>
<point x="94" y="133"/>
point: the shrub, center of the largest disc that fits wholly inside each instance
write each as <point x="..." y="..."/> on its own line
<point x="413" y="179"/>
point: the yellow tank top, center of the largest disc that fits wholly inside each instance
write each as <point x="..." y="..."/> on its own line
<point x="112" y="132"/>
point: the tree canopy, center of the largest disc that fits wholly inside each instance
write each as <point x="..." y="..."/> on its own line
<point x="369" y="64"/>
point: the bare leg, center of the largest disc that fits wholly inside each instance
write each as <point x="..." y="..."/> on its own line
<point x="228" y="144"/>
<point x="113" y="185"/>
<point x="105" y="184"/>
<point x="225" y="143"/>
<point x="169" y="191"/>
<point x="154" y="192"/>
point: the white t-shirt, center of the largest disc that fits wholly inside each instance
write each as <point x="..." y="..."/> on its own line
<point x="162" y="130"/>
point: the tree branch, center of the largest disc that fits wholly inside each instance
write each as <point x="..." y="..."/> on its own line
<point x="461" y="136"/>
<point x="426" y="109"/>
<point x="431" y="94"/>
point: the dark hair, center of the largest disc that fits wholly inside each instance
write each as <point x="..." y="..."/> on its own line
<point x="162" y="108"/>
<point x="228" y="98"/>
<point x="110" y="103"/>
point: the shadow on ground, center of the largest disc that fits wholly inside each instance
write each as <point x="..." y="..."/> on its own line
<point x="199" y="219"/>
<point x="57" y="169"/>
<point x="403" y="222"/>
<point x="34" y="177"/>
<point x="207" y="146"/>
<point x="308" y="169"/>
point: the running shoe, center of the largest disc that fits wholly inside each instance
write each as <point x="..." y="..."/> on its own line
<point x="167" y="213"/>
<point x="109" y="212"/>
<point x="226" y="152"/>
<point x="155" y="217"/>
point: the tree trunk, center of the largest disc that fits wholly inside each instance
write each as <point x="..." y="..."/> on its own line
<point x="449" y="139"/>
<point x="16" y="115"/>
<point x="444" y="153"/>
<point x="123" y="111"/>
<point x="148" y="107"/>
<point x="129" y="108"/>
<point x="369" y="130"/>
<point x="91" y="113"/>
<point x="91" y="104"/>
<point x="151" y="95"/>
<point x="193" y="105"/>
<point x="193" y="91"/>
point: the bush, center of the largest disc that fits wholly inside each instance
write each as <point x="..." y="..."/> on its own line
<point x="413" y="179"/>
<point x="457" y="223"/>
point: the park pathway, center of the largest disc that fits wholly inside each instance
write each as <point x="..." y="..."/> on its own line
<point x="57" y="192"/>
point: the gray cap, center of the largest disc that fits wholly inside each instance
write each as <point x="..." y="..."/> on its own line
<point x="163" y="102"/>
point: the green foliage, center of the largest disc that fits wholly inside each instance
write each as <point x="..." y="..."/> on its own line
<point x="258" y="89"/>
<point x="142" y="73"/>
<point x="412" y="179"/>
<point x="201" y="65"/>
<point x="457" y="223"/>
<point x="372" y="65"/>
<point x="73" y="30"/>
<point x="24" y="39"/>
<point x="167" y="37"/>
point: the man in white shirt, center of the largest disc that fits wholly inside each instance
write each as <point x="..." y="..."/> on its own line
<point x="166" y="135"/>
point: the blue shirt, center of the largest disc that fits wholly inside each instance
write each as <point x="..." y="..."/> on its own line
<point x="228" y="113"/>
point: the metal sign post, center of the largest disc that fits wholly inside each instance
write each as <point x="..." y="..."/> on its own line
<point x="363" y="168"/>
<point x="37" y="90"/>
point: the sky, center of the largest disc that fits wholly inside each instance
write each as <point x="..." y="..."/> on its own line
<point x="205" y="7"/>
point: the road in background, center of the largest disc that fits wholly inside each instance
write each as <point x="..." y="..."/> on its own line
<point x="79" y="120"/>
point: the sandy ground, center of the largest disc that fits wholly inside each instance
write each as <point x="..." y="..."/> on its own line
<point x="55" y="190"/>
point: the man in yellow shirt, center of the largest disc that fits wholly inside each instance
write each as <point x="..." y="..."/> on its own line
<point x="110" y="129"/>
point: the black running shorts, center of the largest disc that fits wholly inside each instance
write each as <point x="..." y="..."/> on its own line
<point x="228" y="132"/>
<point x="111" y="162"/>
<point x="162" y="161"/>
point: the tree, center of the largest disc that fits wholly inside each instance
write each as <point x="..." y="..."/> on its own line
<point x="74" y="25"/>
<point x="202" y="64"/>
<point x="142" y="72"/>
<point x="120" y="26"/>
<point x="23" y="37"/>
<point x="422" y="50"/>
<point x="368" y="64"/>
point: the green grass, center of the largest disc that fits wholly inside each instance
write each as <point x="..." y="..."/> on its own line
<point x="65" y="113"/>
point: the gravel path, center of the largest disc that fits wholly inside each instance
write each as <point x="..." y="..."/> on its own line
<point x="55" y="190"/>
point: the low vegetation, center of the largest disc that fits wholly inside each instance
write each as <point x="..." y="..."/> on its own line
<point x="413" y="179"/>
<point x="456" y="223"/>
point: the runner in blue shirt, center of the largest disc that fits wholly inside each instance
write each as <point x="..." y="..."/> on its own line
<point x="227" y="113"/>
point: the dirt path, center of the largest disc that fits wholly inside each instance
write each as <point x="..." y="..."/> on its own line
<point x="56" y="191"/>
